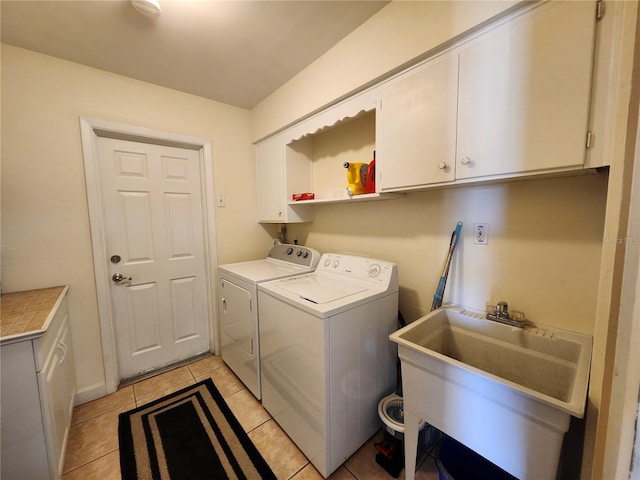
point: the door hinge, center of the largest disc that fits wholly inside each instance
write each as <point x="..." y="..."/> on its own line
<point x="599" y="9"/>
<point x="589" y="139"/>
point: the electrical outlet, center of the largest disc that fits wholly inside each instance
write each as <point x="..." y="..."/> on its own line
<point x="481" y="233"/>
<point x="220" y="200"/>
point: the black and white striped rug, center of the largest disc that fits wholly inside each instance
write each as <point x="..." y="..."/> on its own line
<point x="190" y="434"/>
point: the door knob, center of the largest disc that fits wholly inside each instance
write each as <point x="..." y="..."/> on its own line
<point x="118" y="278"/>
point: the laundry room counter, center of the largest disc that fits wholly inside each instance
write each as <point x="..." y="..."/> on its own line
<point x="29" y="313"/>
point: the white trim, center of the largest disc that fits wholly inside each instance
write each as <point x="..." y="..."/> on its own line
<point x="622" y="434"/>
<point x="90" y="130"/>
<point x="90" y="393"/>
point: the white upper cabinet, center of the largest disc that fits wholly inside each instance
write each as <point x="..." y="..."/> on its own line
<point x="524" y="92"/>
<point x="511" y="99"/>
<point x="416" y="128"/>
<point x="279" y="173"/>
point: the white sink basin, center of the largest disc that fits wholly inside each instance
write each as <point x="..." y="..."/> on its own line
<point x="505" y="392"/>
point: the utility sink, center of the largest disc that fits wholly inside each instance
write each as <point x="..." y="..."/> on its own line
<point x="506" y="392"/>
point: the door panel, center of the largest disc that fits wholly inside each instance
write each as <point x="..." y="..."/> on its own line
<point x="184" y="293"/>
<point x="179" y="217"/>
<point x="143" y="317"/>
<point x="153" y="214"/>
<point x="135" y="215"/>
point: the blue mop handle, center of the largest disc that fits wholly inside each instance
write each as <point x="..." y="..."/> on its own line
<point x="437" y="297"/>
<point x="455" y="235"/>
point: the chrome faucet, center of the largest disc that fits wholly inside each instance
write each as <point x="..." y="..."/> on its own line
<point x="501" y="314"/>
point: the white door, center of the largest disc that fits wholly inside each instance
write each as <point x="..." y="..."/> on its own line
<point x="154" y="229"/>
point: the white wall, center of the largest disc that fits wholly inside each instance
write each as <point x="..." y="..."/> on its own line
<point x="45" y="227"/>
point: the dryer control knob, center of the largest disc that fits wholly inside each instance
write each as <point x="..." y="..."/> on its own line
<point x="299" y="253"/>
<point x="327" y="262"/>
<point x="336" y="262"/>
<point x="289" y="251"/>
<point x="374" y="270"/>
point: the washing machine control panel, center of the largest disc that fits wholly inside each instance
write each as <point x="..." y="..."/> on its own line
<point x="359" y="268"/>
<point x="296" y="254"/>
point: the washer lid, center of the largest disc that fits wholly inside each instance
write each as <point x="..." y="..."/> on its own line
<point x="318" y="289"/>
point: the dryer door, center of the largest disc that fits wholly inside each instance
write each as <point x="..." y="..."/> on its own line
<point x="239" y="332"/>
<point x="236" y="319"/>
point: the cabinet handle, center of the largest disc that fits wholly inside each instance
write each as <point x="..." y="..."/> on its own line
<point x="465" y="161"/>
<point x="63" y="348"/>
<point x="442" y="165"/>
<point x="224" y="306"/>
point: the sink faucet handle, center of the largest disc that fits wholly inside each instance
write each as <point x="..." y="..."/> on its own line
<point x="502" y="309"/>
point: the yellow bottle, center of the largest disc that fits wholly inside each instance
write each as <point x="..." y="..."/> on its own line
<point x="355" y="176"/>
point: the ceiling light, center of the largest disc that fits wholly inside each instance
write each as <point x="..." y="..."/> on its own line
<point x="150" y="8"/>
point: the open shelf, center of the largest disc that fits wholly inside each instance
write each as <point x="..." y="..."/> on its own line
<point x="335" y="197"/>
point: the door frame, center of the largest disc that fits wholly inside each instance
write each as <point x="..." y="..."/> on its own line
<point x="90" y="130"/>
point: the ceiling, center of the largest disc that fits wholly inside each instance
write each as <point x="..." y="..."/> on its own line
<point x="233" y="51"/>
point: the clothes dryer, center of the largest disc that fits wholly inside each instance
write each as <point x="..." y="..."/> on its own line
<point x="239" y="319"/>
<point x="326" y="357"/>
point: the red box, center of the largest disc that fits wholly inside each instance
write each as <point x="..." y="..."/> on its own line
<point x="303" y="196"/>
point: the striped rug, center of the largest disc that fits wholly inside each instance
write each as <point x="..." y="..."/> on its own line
<point x="190" y="434"/>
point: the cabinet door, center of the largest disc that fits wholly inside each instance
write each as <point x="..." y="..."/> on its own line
<point x="270" y="180"/>
<point x="56" y="382"/>
<point x="52" y="390"/>
<point x="524" y="93"/>
<point x="67" y="367"/>
<point x="416" y="135"/>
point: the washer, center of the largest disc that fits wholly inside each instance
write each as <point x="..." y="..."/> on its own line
<point x="239" y="324"/>
<point x="326" y="356"/>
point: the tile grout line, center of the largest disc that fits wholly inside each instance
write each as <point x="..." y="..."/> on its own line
<point x="91" y="461"/>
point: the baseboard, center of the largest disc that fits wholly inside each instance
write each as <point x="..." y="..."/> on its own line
<point x="92" y="392"/>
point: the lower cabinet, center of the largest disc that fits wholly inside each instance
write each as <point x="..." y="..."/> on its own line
<point x="38" y="390"/>
<point x="57" y="388"/>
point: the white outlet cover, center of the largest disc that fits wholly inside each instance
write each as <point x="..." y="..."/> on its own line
<point x="481" y="233"/>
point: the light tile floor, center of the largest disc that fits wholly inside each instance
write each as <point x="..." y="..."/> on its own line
<point x="92" y="451"/>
